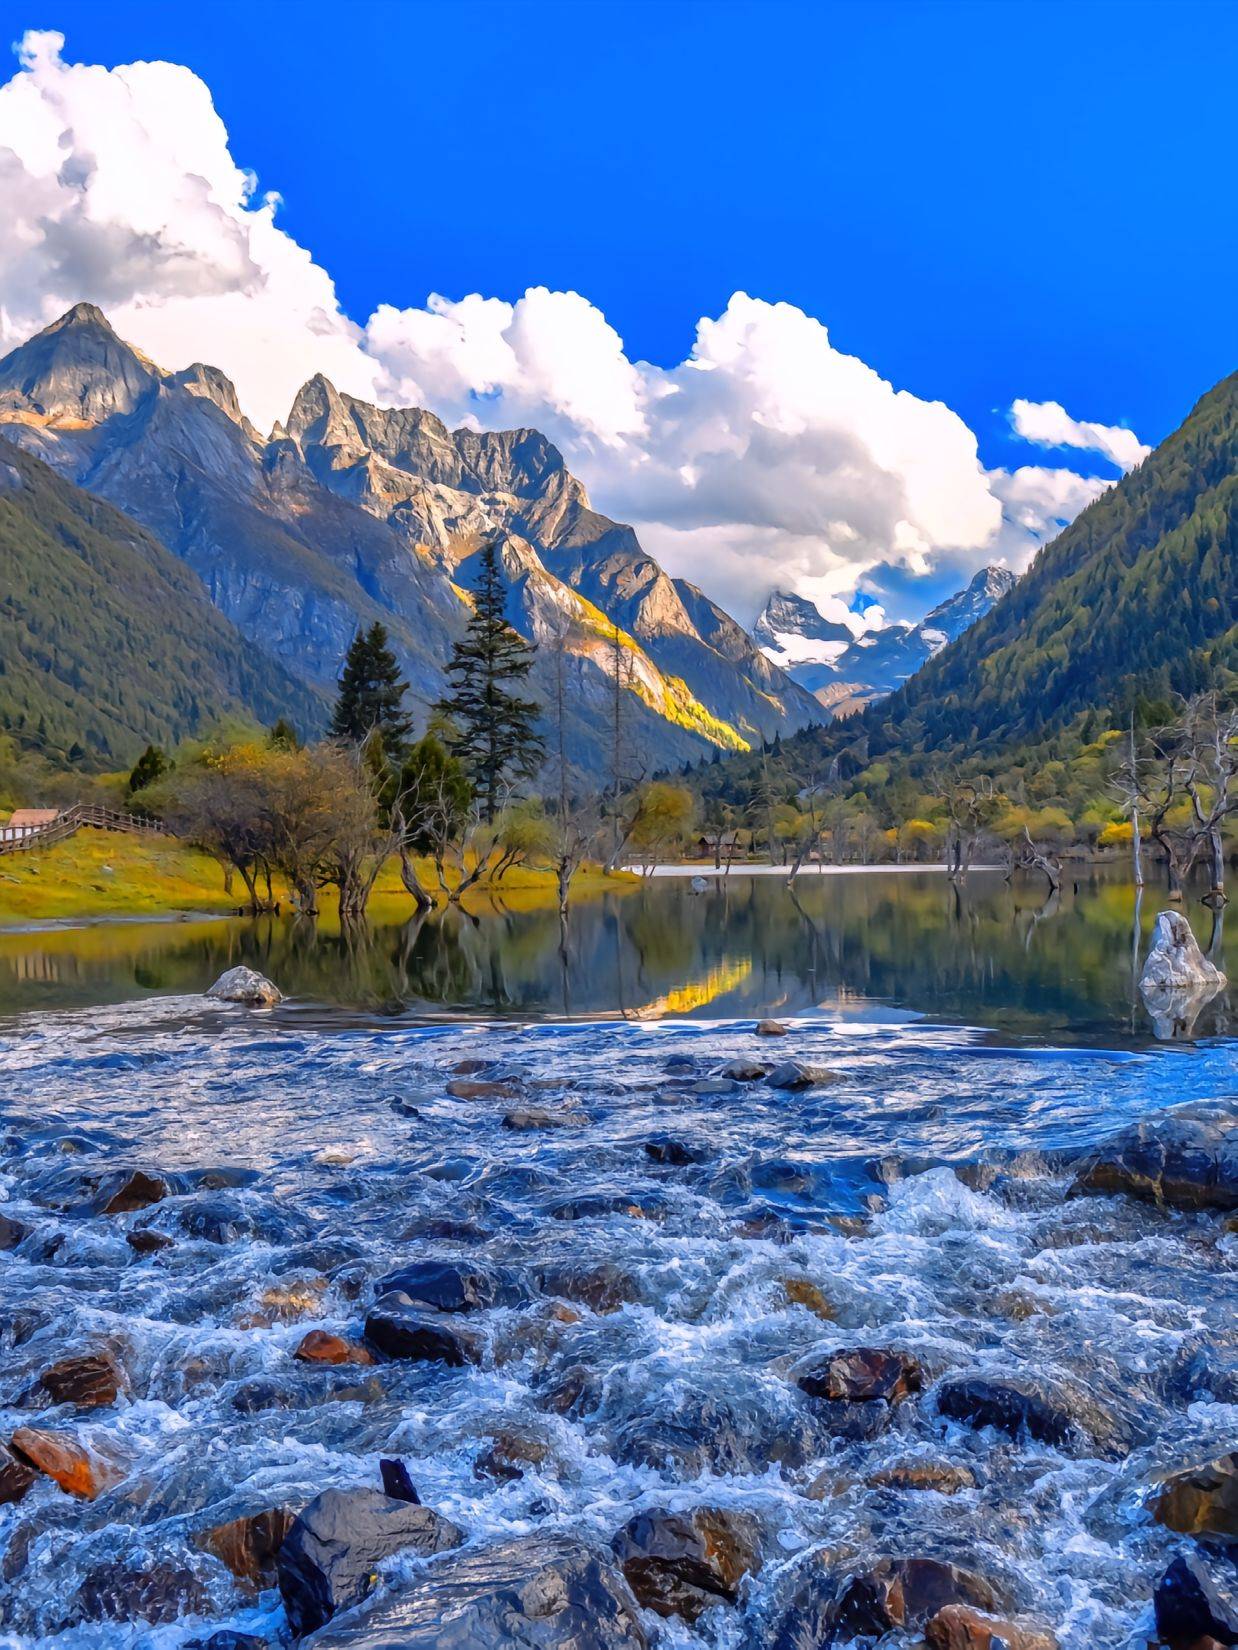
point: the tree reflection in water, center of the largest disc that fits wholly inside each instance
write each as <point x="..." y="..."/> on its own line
<point x="992" y="952"/>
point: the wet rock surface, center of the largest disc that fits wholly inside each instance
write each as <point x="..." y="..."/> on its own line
<point x="736" y="1365"/>
<point x="1188" y="1160"/>
<point x="535" y="1594"/>
<point x="681" y="1564"/>
<point x="327" y="1560"/>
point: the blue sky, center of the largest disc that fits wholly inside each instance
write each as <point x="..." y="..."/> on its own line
<point x="981" y="202"/>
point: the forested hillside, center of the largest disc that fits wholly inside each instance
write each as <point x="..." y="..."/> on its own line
<point x="1137" y="598"/>
<point x="107" y="640"/>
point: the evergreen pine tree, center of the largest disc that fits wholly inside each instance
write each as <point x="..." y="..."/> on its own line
<point x="372" y="695"/>
<point x="151" y="765"/>
<point x="495" y="730"/>
<point x="282" y="735"/>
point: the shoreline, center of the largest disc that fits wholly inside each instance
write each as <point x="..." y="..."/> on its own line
<point x="706" y="869"/>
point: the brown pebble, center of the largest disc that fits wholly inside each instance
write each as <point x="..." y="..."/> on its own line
<point x="320" y="1346"/>
<point x="88" y="1382"/>
<point x="78" y="1470"/>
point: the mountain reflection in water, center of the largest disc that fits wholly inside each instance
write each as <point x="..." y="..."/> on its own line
<point x="870" y="946"/>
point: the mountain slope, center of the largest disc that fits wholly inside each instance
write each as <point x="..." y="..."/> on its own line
<point x="354" y="512"/>
<point x="106" y="638"/>
<point x="1139" y="595"/>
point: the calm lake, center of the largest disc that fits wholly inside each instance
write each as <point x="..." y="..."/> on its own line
<point x="877" y="946"/>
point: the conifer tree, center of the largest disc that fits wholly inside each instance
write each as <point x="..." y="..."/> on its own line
<point x="151" y="765"/>
<point x="371" y="699"/>
<point x="495" y="729"/>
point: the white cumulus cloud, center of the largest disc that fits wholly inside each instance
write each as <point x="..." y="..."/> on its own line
<point x="765" y="457"/>
<point x="1048" y="424"/>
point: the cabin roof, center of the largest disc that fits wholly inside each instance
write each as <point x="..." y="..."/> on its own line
<point x="33" y="816"/>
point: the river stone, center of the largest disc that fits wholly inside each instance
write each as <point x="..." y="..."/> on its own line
<point x="156" y="1593"/>
<point x="12" y="1232"/>
<point x="1012" y="1406"/>
<point x="958" y="1627"/>
<point x="681" y="1564"/>
<point x="679" y="1154"/>
<point x="245" y="985"/>
<point x="508" y="1454"/>
<point x="744" y="1071"/>
<point x="398" y="1330"/>
<point x="442" y="1285"/>
<point x="770" y="1028"/>
<point x="61" y="1456"/>
<point x="467" y="1088"/>
<point x="825" y="1606"/>
<point x="526" y="1119"/>
<point x="533" y="1593"/>
<point x="320" y="1346"/>
<point x="1196" y="1600"/>
<point x="920" y="1473"/>
<point x="1202" y="1500"/>
<point x="248" y="1546"/>
<point x="327" y="1560"/>
<point x="861" y="1374"/>
<point x="16" y="1476"/>
<point x="1187" y="1158"/>
<point x="602" y="1286"/>
<point x="799" y="1074"/>
<point x="89" y="1381"/>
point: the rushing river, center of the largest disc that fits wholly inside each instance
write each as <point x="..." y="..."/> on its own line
<point x="656" y="1258"/>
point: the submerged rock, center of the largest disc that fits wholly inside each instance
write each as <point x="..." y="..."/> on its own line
<point x="1187" y="1158"/>
<point x="249" y="1546"/>
<point x="12" y="1232"/>
<point x="245" y="985"/>
<point x="528" y="1118"/>
<point x="534" y="1593"/>
<point x="398" y="1330"/>
<point x="602" y="1286"/>
<point x="770" y="1028"/>
<point x="830" y="1606"/>
<point x="155" y="1593"/>
<point x="744" y="1071"/>
<point x="508" y="1454"/>
<point x="1020" y="1406"/>
<point x="861" y="1374"/>
<point x="674" y="1153"/>
<point x="959" y="1627"/>
<point x="1201" y="1500"/>
<point x="89" y="1381"/>
<point x="16" y="1475"/>
<point x="679" y="1564"/>
<point x="327" y="1560"/>
<point x="1196" y="1600"/>
<point x="921" y="1473"/>
<point x="799" y="1074"/>
<point x="442" y="1285"/>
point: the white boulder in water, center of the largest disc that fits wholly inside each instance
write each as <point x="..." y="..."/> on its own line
<point x="246" y="985"/>
<point x="1177" y="979"/>
<point x="1175" y="962"/>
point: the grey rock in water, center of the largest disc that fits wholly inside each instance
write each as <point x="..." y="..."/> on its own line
<point x="1177" y="981"/>
<point x="800" y="1074"/>
<point x="534" y="1593"/>
<point x="1196" y="1600"/>
<point x="327" y="1560"/>
<point x="1188" y="1159"/>
<point x="246" y="985"/>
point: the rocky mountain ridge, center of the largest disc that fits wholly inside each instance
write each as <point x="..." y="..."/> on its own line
<point x="846" y="670"/>
<point x="351" y="512"/>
